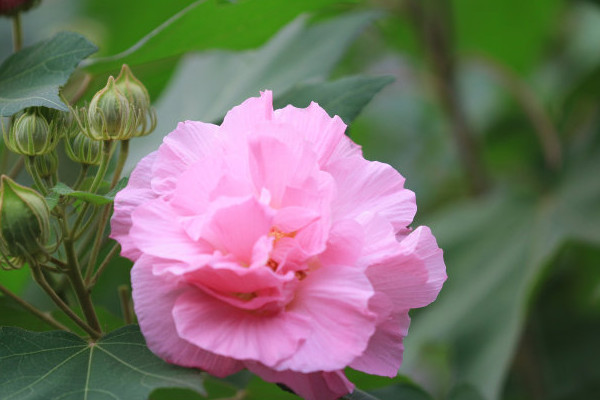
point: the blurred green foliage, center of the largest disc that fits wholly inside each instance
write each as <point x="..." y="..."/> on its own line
<point x="519" y="317"/>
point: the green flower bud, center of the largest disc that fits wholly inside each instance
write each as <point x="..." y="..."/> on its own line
<point x="109" y="115"/>
<point x="139" y="100"/>
<point x="46" y="165"/>
<point x="84" y="150"/>
<point x="31" y="134"/>
<point x="24" y="222"/>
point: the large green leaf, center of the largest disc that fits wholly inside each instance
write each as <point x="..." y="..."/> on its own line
<point x="345" y="97"/>
<point x="33" y="76"/>
<point x="209" y="84"/>
<point x="203" y="24"/>
<point x="59" y="365"/>
<point x="495" y="252"/>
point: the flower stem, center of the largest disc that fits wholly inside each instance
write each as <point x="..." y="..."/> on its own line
<point x="106" y="148"/>
<point x="29" y="165"/>
<point x="17" y="32"/>
<point x="97" y="242"/>
<point x="120" y="163"/>
<point x="103" y="265"/>
<point x="46" y="317"/>
<point x="126" y="304"/>
<point x="41" y="281"/>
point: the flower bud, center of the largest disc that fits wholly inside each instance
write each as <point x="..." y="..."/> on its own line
<point x="24" y="221"/>
<point x="139" y="100"/>
<point x="46" y="165"/>
<point x="12" y="7"/>
<point x="31" y="134"/>
<point x="109" y="115"/>
<point x="84" y="150"/>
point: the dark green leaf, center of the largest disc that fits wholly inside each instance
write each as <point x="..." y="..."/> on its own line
<point x="208" y="85"/>
<point x="33" y="76"/>
<point x="59" y="365"/>
<point x="495" y="252"/>
<point x="204" y="25"/>
<point x="344" y="97"/>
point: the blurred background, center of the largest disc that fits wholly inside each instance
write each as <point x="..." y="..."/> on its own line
<point x="493" y="118"/>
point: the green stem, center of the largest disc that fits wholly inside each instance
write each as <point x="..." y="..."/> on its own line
<point x="106" y="148"/>
<point x="46" y="317"/>
<point x="120" y="163"/>
<point x="17" y="32"/>
<point x="41" y="281"/>
<point x="81" y="177"/>
<point x="126" y="304"/>
<point x="82" y="293"/>
<point x="30" y="166"/>
<point x="113" y="251"/>
<point x="97" y="242"/>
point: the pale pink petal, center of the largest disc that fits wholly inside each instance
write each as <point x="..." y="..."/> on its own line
<point x="371" y="186"/>
<point x="157" y="231"/>
<point x="383" y="355"/>
<point x="413" y="277"/>
<point x="291" y="219"/>
<point x="231" y="332"/>
<point x="325" y="134"/>
<point x="314" y="386"/>
<point x="335" y="301"/>
<point x="188" y="143"/>
<point x="137" y="191"/>
<point x="154" y="298"/>
<point x="380" y="241"/>
<point x="240" y="119"/>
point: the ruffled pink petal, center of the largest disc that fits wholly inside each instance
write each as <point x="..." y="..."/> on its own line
<point x="413" y="277"/>
<point x="188" y="143"/>
<point x="138" y="191"/>
<point x="235" y="229"/>
<point x="313" y="386"/>
<point x="240" y="119"/>
<point x="157" y="231"/>
<point x="154" y="298"/>
<point x="371" y="186"/>
<point x="344" y="245"/>
<point x="335" y="301"/>
<point x="383" y="355"/>
<point x="326" y="134"/>
<point x="380" y="242"/>
<point x="231" y="332"/>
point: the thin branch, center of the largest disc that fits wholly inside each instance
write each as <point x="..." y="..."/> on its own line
<point x="432" y="23"/>
<point x="113" y="251"/>
<point x="46" y="317"/>
<point x="539" y="118"/>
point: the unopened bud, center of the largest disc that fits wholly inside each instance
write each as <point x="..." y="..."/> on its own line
<point x="139" y="100"/>
<point x="31" y="134"/>
<point x="24" y="221"/>
<point x="84" y="150"/>
<point x="46" y="165"/>
<point x="109" y="115"/>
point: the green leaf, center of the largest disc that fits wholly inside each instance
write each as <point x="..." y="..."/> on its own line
<point x="98" y="199"/>
<point x="59" y="365"/>
<point x="32" y="77"/>
<point x="496" y="251"/>
<point x="344" y="97"/>
<point x="208" y="85"/>
<point x="199" y="26"/>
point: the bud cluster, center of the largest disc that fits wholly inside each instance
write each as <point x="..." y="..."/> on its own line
<point x="119" y="111"/>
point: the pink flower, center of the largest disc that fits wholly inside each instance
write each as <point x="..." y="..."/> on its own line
<point x="270" y="243"/>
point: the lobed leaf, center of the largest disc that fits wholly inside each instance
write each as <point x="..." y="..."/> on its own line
<point x="60" y="365"/>
<point x="32" y="76"/>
